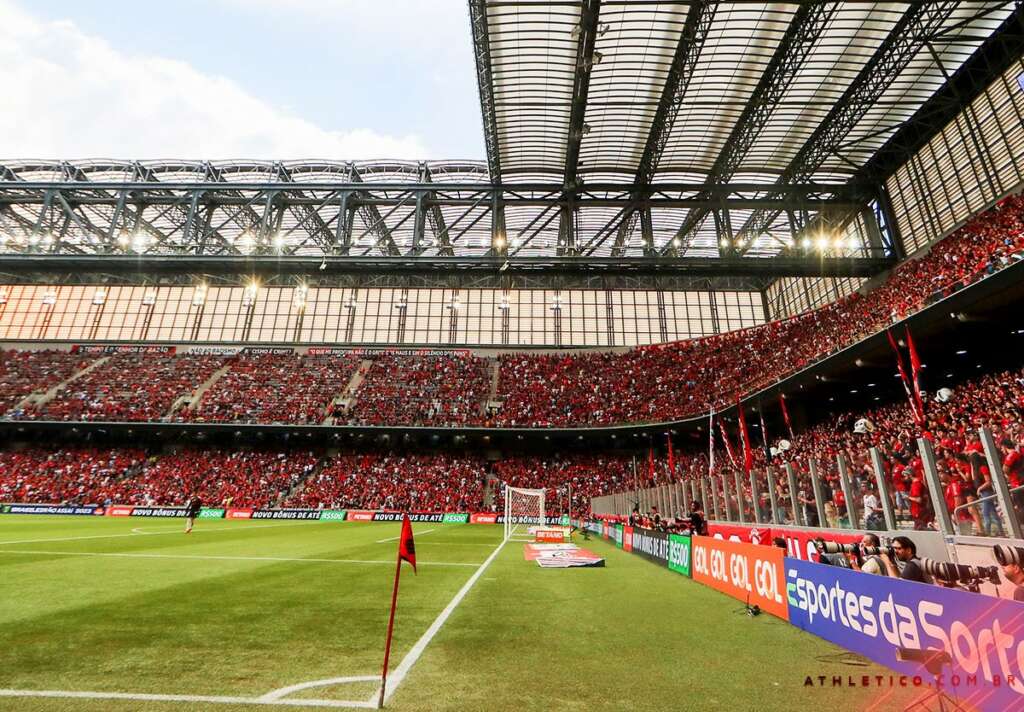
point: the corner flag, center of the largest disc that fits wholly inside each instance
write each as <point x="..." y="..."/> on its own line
<point x="406" y="552"/>
<point x="406" y="546"/>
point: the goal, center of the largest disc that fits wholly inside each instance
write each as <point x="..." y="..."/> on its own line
<point x="524" y="509"/>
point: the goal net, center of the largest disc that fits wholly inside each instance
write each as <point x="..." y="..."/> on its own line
<point x="524" y="509"/>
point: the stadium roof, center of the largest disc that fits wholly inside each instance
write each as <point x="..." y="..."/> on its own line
<point x="628" y="131"/>
<point x="646" y="92"/>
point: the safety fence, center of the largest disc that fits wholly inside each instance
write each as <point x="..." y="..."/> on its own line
<point x="821" y="492"/>
<point x="968" y="645"/>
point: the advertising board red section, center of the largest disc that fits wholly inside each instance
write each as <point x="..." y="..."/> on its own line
<point x="747" y="572"/>
<point x="356" y="516"/>
<point x="799" y="542"/>
<point x="118" y="511"/>
<point x="483" y="518"/>
<point x="238" y="514"/>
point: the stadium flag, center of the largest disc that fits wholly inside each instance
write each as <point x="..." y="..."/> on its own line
<point x="903" y="377"/>
<point x="785" y="416"/>
<point x="650" y="467"/>
<point x="748" y="453"/>
<point x="764" y="435"/>
<point x="406" y="552"/>
<point x="711" y="442"/>
<point x="915" y="372"/>
<point x="725" y="439"/>
<point x="671" y="460"/>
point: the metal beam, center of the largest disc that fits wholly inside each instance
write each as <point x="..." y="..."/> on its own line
<point x="699" y="17"/>
<point x="586" y="37"/>
<point x="907" y="38"/>
<point x="485" y="83"/>
<point x="986" y="65"/>
<point x="373" y="221"/>
<point x="314" y="264"/>
<point x="807" y="26"/>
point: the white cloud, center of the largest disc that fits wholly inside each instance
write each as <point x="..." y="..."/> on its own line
<point x="70" y="95"/>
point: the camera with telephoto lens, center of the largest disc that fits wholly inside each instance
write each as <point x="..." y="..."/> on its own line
<point x="833" y="547"/>
<point x="965" y="576"/>
<point x="878" y="551"/>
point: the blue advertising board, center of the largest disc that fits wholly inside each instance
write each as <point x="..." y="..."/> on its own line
<point x="877" y="616"/>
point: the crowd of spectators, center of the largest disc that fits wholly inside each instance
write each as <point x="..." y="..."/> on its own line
<point x="583" y="475"/>
<point x="995" y="401"/>
<point x="672" y="381"/>
<point x="128" y="386"/>
<point x="417" y="483"/>
<point x="439" y="389"/>
<point x="275" y="388"/>
<point x="239" y="478"/>
<point x="648" y="384"/>
<point x="26" y="372"/>
<point x="89" y="475"/>
<point x="74" y="475"/>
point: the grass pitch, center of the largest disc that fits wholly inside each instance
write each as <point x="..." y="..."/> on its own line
<point x="240" y="609"/>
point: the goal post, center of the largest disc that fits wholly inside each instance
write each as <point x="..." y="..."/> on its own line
<point x="524" y="508"/>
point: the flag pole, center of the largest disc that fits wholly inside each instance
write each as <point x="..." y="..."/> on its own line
<point x="391" y="626"/>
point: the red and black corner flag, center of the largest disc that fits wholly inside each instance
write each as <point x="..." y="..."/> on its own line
<point x="406" y="552"/>
<point x="406" y="545"/>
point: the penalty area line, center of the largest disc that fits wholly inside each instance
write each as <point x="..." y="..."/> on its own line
<point x="396" y="677"/>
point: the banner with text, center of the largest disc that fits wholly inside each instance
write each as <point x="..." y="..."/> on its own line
<point x="885" y="619"/>
<point x="679" y="553"/>
<point x="747" y="572"/>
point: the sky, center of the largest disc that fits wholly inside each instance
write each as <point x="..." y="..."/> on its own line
<point x="233" y="79"/>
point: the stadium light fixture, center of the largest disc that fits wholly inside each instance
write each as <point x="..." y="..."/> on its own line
<point x="123" y="238"/>
<point x="278" y="241"/>
<point x="676" y="242"/>
<point x="33" y="239"/>
<point x="140" y="241"/>
<point x="822" y="243"/>
<point x="724" y="242"/>
<point x="249" y="295"/>
<point x="246" y="242"/>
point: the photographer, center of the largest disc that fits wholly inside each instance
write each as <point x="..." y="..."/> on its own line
<point x="698" y="525"/>
<point x="871" y="564"/>
<point x="1011" y="558"/>
<point x="907" y="566"/>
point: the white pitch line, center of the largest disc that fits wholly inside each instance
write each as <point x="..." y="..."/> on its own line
<point x="396" y="538"/>
<point x="395" y="678"/>
<point x="285" y="691"/>
<point x="176" y="530"/>
<point x="201" y="557"/>
<point x="215" y="699"/>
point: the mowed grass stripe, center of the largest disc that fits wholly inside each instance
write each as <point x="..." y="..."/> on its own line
<point x="235" y="627"/>
<point x="630" y="636"/>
